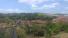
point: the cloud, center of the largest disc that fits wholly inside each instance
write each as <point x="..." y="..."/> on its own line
<point x="22" y="1"/>
<point x="32" y="1"/>
<point x="10" y="10"/>
<point x="53" y="5"/>
<point x="35" y="7"/>
<point x="35" y="4"/>
<point x="26" y="1"/>
<point x="45" y="6"/>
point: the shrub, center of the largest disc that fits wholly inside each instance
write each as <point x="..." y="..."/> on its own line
<point x="52" y="28"/>
<point x="21" y="33"/>
<point x="65" y="28"/>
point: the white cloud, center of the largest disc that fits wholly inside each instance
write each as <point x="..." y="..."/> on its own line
<point x="34" y="7"/>
<point x="53" y="5"/>
<point x="22" y="1"/>
<point x="26" y="1"/>
<point x="10" y="10"/>
<point x="31" y="1"/>
<point x="34" y="4"/>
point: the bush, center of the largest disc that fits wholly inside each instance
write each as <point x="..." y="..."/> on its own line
<point x="52" y="28"/>
<point x="21" y="33"/>
<point x="65" y="28"/>
<point x="2" y="34"/>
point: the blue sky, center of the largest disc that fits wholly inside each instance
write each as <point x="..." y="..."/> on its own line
<point x="51" y="6"/>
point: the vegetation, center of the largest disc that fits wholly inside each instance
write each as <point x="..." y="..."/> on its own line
<point x="26" y="24"/>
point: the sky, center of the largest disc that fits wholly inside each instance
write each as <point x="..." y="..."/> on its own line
<point x="47" y="6"/>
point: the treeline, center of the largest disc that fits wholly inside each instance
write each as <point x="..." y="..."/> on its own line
<point x="28" y="16"/>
